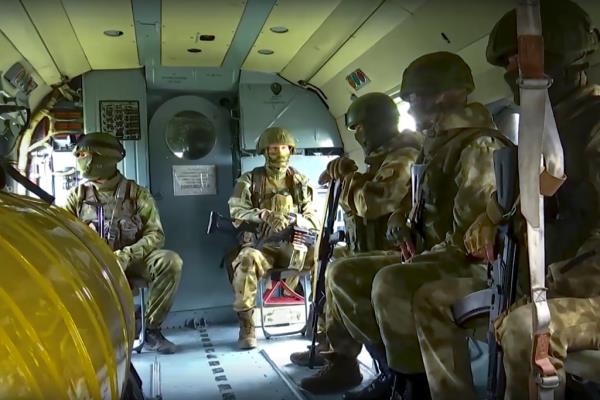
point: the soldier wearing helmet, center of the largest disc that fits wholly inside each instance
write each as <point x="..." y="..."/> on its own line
<point x="369" y="198"/>
<point x="370" y="299"/>
<point x="273" y="196"/>
<point x="571" y="224"/>
<point x="125" y="215"/>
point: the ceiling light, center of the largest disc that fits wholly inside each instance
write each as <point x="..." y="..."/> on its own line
<point x="113" y="33"/>
<point x="266" y="52"/>
<point x="279" y="29"/>
<point x="194" y="50"/>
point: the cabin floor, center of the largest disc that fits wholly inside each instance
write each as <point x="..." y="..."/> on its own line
<point x="208" y="366"/>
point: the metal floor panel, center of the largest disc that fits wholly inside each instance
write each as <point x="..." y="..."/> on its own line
<point x="209" y="366"/>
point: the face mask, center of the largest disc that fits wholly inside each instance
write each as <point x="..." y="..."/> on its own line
<point x="277" y="161"/>
<point x="95" y="167"/>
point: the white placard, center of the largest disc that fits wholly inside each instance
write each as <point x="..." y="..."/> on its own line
<point x="194" y="180"/>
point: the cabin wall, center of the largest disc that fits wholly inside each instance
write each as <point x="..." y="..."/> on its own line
<point x="117" y="85"/>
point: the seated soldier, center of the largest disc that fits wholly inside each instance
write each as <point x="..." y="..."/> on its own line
<point x="125" y="214"/>
<point x="369" y="198"/>
<point x="572" y="233"/>
<point x="274" y="197"/>
<point x="370" y="302"/>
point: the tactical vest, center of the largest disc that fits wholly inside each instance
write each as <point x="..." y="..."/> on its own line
<point x="122" y="226"/>
<point x="439" y="188"/>
<point x="572" y="212"/>
<point x="260" y="196"/>
<point x="363" y="236"/>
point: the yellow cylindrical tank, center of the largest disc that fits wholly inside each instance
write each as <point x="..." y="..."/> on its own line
<point x="66" y="310"/>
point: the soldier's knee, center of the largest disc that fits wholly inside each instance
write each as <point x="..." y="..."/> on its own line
<point x="246" y="261"/>
<point x="173" y="261"/>
<point x="385" y="285"/>
<point x="515" y="326"/>
<point x="333" y="271"/>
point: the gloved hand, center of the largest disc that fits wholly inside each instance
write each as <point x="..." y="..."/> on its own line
<point x="123" y="259"/>
<point x="399" y="234"/>
<point x="277" y="221"/>
<point x="337" y="169"/>
<point x="480" y="238"/>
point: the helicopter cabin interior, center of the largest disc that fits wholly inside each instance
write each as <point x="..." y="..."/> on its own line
<point x="188" y="86"/>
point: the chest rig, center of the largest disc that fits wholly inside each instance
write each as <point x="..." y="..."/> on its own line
<point x="112" y="214"/>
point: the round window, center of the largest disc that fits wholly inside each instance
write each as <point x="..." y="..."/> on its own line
<point x="190" y="135"/>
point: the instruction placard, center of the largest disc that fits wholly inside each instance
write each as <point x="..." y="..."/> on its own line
<point x="194" y="180"/>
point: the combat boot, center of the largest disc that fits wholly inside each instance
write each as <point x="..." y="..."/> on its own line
<point x="380" y="388"/>
<point x="155" y="341"/>
<point x="247" y="337"/>
<point x="302" y="358"/>
<point x="341" y="373"/>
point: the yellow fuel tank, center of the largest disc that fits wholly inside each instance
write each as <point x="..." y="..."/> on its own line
<point x="66" y="310"/>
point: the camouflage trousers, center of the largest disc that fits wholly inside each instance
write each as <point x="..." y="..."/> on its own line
<point x="162" y="270"/>
<point x="249" y="267"/>
<point x="392" y="297"/>
<point x="575" y="325"/>
<point x="350" y="320"/>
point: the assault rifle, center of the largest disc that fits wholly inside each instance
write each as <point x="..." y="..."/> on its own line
<point x="291" y="234"/>
<point x="502" y="273"/>
<point x="328" y="240"/>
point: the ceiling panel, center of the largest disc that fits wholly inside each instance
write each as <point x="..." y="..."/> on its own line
<point x="184" y="21"/>
<point x="10" y="55"/>
<point x="328" y="38"/>
<point x="391" y="14"/>
<point x="465" y="24"/>
<point x="301" y="18"/>
<point x="90" y="18"/>
<point x="54" y="27"/>
<point x="20" y="31"/>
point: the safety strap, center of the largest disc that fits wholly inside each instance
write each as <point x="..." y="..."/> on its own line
<point x="540" y="152"/>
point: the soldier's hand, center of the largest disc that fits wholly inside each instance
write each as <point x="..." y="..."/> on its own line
<point x="481" y="237"/>
<point x="340" y="167"/>
<point x="278" y="221"/>
<point x="399" y="234"/>
<point x="123" y="259"/>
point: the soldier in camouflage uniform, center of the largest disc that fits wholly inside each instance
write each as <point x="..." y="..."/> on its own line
<point x="369" y="198"/>
<point x="130" y="224"/>
<point x="274" y="197"/>
<point x="371" y="300"/>
<point x="571" y="226"/>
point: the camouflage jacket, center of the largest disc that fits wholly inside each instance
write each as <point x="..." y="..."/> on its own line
<point x="252" y="195"/>
<point x="369" y="198"/>
<point x="459" y="176"/>
<point x="137" y="226"/>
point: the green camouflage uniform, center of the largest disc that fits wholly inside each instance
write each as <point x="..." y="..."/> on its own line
<point x="574" y="300"/>
<point x="571" y="228"/>
<point x="372" y="196"/>
<point x="574" y="303"/>
<point x="371" y="304"/>
<point x="139" y="238"/>
<point x="368" y="199"/>
<point x="251" y="264"/>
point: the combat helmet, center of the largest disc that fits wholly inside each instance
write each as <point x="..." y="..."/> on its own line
<point x="275" y="135"/>
<point x="436" y="73"/>
<point x="101" y="143"/>
<point x="567" y="30"/>
<point x="374" y="106"/>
